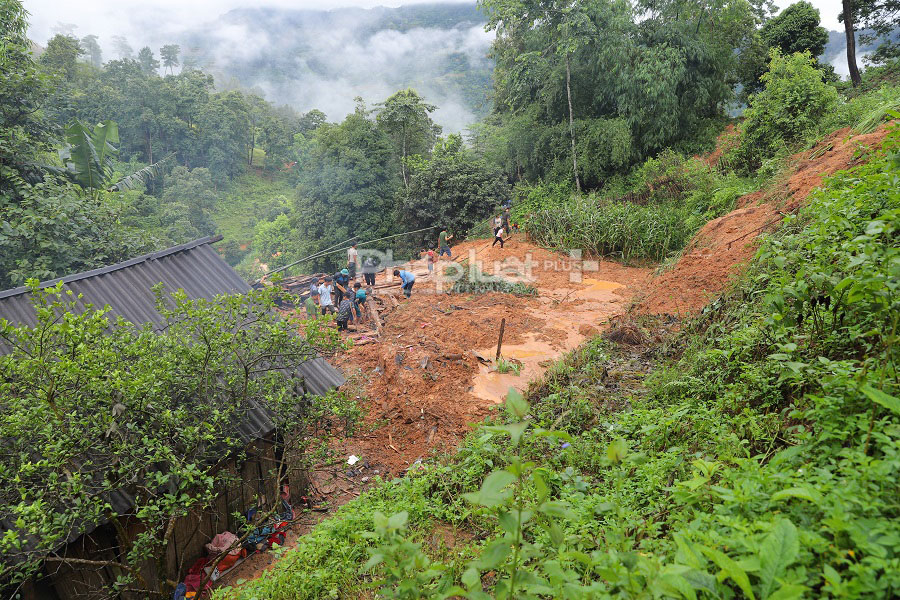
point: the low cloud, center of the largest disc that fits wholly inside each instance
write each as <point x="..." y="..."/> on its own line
<point x="310" y="58"/>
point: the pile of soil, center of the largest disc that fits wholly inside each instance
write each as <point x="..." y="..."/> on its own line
<point x="418" y="378"/>
<point x="722" y="248"/>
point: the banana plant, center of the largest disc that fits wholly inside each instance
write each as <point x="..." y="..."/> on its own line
<point x="88" y="154"/>
<point x="88" y="158"/>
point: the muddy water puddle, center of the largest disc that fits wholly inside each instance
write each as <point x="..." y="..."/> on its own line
<point x="598" y="301"/>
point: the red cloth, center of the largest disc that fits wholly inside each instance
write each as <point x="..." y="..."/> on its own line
<point x="196" y="574"/>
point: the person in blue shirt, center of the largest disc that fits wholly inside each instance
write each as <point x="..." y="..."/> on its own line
<point x="408" y="280"/>
<point x="359" y="299"/>
<point x="342" y="285"/>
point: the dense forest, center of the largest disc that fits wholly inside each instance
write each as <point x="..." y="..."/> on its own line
<point x="749" y="450"/>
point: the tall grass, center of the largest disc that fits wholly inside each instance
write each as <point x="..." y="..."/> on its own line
<point x="631" y="231"/>
<point x="610" y="228"/>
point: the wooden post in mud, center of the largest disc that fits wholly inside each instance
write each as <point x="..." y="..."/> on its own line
<point x="500" y="339"/>
<point x="374" y="310"/>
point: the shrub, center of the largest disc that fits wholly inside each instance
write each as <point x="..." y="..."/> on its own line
<point x="478" y="283"/>
<point x="793" y="103"/>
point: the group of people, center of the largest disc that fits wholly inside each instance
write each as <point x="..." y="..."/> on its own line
<point x="346" y="300"/>
<point x="342" y="295"/>
<point x="501" y="227"/>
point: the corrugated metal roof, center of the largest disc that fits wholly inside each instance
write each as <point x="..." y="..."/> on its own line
<point x="194" y="267"/>
<point x="126" y="287"/>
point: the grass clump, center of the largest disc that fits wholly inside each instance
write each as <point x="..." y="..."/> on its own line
<point x="508" y="366"/>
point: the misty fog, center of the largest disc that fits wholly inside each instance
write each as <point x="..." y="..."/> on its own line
<point x="325" y="59"/>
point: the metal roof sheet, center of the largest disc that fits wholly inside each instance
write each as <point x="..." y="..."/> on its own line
<point x="194" y="267"/>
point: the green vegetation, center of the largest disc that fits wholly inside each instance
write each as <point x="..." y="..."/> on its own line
<point x="454" y="189"/>
<point x="508" y="366"/>
<point x="760" y="462"/>
<point x="473" y="281"/>
<point x="670" y="199"/>
<point x="90" y="409"/>
<point x="795" y="29"/>
<point x="792" y="105"/>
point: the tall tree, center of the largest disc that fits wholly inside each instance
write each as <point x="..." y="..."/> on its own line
<point x="850" y="32"/>
<point x="405" y="118"/>
<point x="91" y="47"/>
<point x="24" y="133"/>
<point x="148" y="62"/>
<point x="795" y="29"/>
<point x="454" y="189"/>
<point x="561" y="26"/>
<point x="347" y="186"/>
<point x="879" y="20"/>
<point x="169" y="55"/>
<point x="61" y="55"/>
<point x="122" y="47"/>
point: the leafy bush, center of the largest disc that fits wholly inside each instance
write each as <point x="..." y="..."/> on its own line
<point x="793" y="103"/>
<point x="476" y="282"/>
<point x="91" y="406"/>
<point x="863" y="112"/>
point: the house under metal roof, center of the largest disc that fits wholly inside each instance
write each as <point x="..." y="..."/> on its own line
<point x="194" y="267"/>
<point x="127" y="288"/>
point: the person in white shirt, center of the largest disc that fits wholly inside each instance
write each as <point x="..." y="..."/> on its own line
<point x="352" y="261"/>
<point x="498" y="237"/>
<point x="325" y="302"/>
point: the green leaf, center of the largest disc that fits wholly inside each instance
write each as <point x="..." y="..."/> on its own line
<point x="516" y="404"/>
<point x="515" y="430"/>
<point x="492" y="490"/>
<point x="494" y="554"/>
<point x="375" y="560"/>
<point x="731" y="569"/>
<point x="884" y="399"/>
<point x="507" y="521"/>
<point x="803" y="493"/>
<point x="831" y="576"/>
<point x="471" y="578"/>
<point x="540" y="485"/>
<point x="557" y="536"/>
<point x="616" y="450"/>
<point x="398" y="520"/>
<point x="789" y="591"/>
<point x="687" y="552"/>
<point x="777" y="552"/>
<point x="557" y="508"/>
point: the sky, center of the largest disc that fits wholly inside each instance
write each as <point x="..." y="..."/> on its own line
<point x="106" y="17"/>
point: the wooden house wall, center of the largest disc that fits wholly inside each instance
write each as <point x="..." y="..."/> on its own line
<point x="189" y="535"/>
<point x="83" y="582"/>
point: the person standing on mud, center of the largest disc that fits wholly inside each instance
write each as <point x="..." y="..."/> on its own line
<point x="325" y="302"/>
<point x="498" y="223"/>
<point x="504" y="220"/>
<point x="352" y="261"/>
<point x="498" y="237"/>
<point x="342" y="284"/>
<point x="368" y="268"/>
<point x="443" y="238"/>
